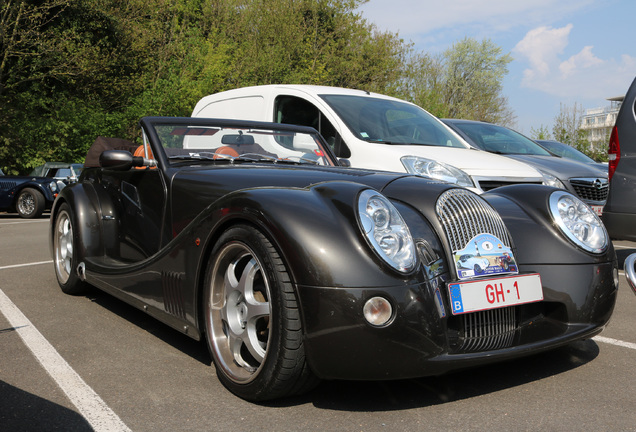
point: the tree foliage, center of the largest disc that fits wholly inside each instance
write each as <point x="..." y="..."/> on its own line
<point x="71" y="70"/>
<point x="466" y="81"/>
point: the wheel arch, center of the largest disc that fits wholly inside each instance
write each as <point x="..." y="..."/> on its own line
<point x="314" y="231"/>
<point x="88" y="212"/>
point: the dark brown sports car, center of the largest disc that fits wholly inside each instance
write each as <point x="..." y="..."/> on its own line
<point x="294" y="269"/>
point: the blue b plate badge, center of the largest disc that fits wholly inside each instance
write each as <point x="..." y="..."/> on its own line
<point x="484" y="255"/>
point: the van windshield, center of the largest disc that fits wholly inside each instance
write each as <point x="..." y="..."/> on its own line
<point x="391" y="122"/>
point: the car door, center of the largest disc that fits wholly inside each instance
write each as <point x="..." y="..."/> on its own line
<point x="139" y="195"/>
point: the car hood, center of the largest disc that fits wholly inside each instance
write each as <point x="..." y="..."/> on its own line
<point x="194" y="188"/>
<point x="476" y="163"/>
<point x="17" y="180"/>
<point x="561" y="168"/>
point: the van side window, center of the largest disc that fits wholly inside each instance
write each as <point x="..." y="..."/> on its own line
<point x="297" y="111"/>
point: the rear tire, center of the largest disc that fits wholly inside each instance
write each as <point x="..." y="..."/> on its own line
<point x="65" y="259"/>
<point x="252" y="320"/>
<point x="30" y="203"/>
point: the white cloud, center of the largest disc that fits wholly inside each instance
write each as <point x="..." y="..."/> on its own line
<point x="541" y="47"/>
<point x="581" y="76"/>
<point x="584" y="59"/>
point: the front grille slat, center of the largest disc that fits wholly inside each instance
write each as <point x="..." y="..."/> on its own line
<point x="463" y="216"/>
<point x="590" y="189"/>
<point x="487" y="185"/>
<point x="489" y="330"/>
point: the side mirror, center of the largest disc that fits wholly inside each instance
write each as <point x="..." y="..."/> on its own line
<point x="119" y="160"/>
<point x="344" y="163"/>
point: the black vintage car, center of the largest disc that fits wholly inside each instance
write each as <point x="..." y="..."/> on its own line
<point x="293" y="269"/>
<point x="29" y="196"/>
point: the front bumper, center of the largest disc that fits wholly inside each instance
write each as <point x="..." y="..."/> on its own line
<point x="424" y="339"/>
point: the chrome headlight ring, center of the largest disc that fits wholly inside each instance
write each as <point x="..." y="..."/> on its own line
<point x="578" y="222"/>
<point x="386" y="231"/>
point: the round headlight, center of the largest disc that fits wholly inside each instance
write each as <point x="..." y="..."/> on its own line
<point x="53" y="187"/>
<point x="578" y="222"/>
<point x="386" y="231"/>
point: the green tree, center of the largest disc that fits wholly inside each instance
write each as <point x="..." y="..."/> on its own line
<point x="542" y="133"/>
<point x="71" y="70"/>
<point x="567" y="127"/>
<point x="466" y="81"/>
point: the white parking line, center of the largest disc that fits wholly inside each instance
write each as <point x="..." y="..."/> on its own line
<point x="615" y="342"/>
<point x="25" y="222"/>
<point x="88" y="403"/>
<point x="25" y="265"/>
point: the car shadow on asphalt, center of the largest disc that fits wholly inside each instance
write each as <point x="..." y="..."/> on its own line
<point x="24" y="411"/>
<point x="372" y="396"/>
<point x="181" y="342"/>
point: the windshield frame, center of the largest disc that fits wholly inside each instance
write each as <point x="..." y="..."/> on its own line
<point x="156" y="128"/>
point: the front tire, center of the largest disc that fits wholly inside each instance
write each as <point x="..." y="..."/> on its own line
<point x="252" y="320"/>
<point x="65" y="259"/>
<point x="30" y="203"/>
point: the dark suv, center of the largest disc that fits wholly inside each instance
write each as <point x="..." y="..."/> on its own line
<point x="619" y="214"/>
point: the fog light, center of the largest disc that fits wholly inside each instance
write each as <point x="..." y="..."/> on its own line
<point x="378" y="311"/>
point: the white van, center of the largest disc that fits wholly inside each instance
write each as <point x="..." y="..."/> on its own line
<point x="372" y="131"/>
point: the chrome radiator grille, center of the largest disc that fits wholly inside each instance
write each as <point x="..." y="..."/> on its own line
<point x="591" y="189"/>
<point x="464" y="215"/>
<point x="489" y="330"/>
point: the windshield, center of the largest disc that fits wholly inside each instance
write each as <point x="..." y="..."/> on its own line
<point x="498" y="139"/>
<point x="219" y="143"/>
<point x="391" y="122"/>
<point x="566" y="151"/>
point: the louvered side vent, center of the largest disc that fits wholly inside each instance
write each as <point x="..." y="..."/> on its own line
<point x="489" y="330"/>
<point x="172" y="284"/>
<point x="464" y="215"/>
<point x="7" y="185"/>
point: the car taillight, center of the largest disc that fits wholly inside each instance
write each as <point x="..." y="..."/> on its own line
<point x="614" y="152"/>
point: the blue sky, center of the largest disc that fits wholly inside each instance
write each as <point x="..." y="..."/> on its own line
<point x="564" y="51"/>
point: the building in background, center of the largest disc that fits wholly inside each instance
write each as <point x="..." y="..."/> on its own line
<point x="598" y="122"/>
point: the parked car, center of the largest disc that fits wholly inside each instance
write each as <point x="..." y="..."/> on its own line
<point x="28" y="196"/>
<point x="620" y="211"/>
<point x="63" y="173"/>
<point x="293" y="269"/>
<point x="372" y="131"/>
<point x="587" y="182"/>
<point x="566" y="151"/>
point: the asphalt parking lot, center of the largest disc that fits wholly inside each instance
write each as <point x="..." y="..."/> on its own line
<point x="81" y="363"/>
